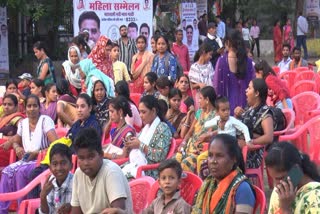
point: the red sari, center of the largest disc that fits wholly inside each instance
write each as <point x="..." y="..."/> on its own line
<point x="277" y="43"/>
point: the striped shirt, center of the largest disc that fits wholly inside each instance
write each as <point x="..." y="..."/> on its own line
<point x="127" y="51"/>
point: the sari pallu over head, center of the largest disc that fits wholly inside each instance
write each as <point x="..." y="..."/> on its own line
<point x="100" y="58"/>
<point x="93" y="74"/>
<point x="72" y="76"/>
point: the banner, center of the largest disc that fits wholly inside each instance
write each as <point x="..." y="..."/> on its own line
<point x="189" y="25"/>
<point x="106" y="16"/>
<point x="313" y="10"/>
<point x="201" y="8"/>
<point x="4" y="54"/>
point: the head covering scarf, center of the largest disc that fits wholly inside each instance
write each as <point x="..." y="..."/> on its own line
<point x="73" y="77"/>
<point x="93" y="74"/>
<point x="100" y="58"/>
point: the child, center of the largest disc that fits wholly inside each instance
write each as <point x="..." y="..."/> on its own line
<point x="56" y="193"/>
<point x="164" y="85"/>
<point x="99" y="185"/>
<point x="149" y="85"/>
<point x="223" y="123"/>
<point x="226" y="124"/>
<point x="169" y="201"/>
<point x="120" y="70"/>
<point x="24" y="85"/>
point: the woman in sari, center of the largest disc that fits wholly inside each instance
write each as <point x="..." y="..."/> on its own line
<point x="118" y="109"/>
<point x="34" y="133"/>
<point x="153" y="142"/>
<point x="286" y="197"/>
<point x="66" y="105"/>
<point x="100" y="56"/>
<point x="191" y="146"/>
<point x="70" y="70"/>
<point x="141" y="64"/>
<point x="288" y="34"/>
<point x="49" y="107"/>
<point x="36" y="87"/>
<point x="45" y="70"/>
<point x="90" y="74"/>
<point x="187" y="102"/>
<point x="9" y="124"/>
<point x="277" y="42"/>
<point x="100" y="102"/>
<point x="12" y="88"/>
<point x="226" y="189"/>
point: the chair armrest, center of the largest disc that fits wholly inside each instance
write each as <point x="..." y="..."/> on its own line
<point x="13" y="156"/>
<point x="314" y="113"/>
<point x="146" y="168"/>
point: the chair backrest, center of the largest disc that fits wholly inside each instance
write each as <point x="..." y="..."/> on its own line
<point x="303" y="86"/>
<point x="305" y="75"/>
<point x="61" y="132"/>
<point x="29" y="206"/>
<point x="190" y="184"/>
<point x="139" y="192"/>
<point x="313" y="128"/>
<point x="302" y="104"/>
<point x="172" y="148"/>
<point x="135" y="97"/>
<point x="299" y="69"/>
<point x="260" y="200"/>
<point x="289" y="76"/>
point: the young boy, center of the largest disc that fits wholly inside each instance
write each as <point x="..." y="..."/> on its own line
<point x="170" y="202"/>
<point x="56" y="193"/>
<point x="225" y="123"/>
<point x="24" y="85"/>
<point x="120" y="70"/>
<point x="99" y="185"/>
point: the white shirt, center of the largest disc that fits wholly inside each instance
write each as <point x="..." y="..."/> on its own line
<point x="302" y="26"/>
<point x="245" y="34"/>
<point x="255" y="32"/>
<point x="284" y="65"/>
<point x="231" y="127"/>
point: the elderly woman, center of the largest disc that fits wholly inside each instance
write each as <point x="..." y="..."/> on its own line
<point x="258" y="118"/>
<point x="141" y="64"/>
<point x="226" y="189"/>
<point x="191" y="146"/>
<point x="90" y="74"/>
<point x="34" y="133"/>
<point x="299" y="195"/>
<point x="70" y="69"/>
<point x="153" y="142"/>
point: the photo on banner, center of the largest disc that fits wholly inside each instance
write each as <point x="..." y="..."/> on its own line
<point x="104" y="17"/>
<point x="4" y="51"/>
<point x="189" y="25"/>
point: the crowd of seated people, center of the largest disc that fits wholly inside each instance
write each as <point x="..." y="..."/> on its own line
<point x="104" y="125"/>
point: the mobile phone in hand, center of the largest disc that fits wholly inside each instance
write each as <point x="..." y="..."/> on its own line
<point x="295" y="174"/>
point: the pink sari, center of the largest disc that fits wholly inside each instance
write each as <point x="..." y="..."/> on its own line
<point x="288" y="36"/>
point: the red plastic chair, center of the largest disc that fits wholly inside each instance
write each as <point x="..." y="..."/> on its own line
<point x="254" y="172"/>
<point x="303" y="86"/>
<point x="190" y="184"/>
<point x="61" y="132"/>
<point x="304" y="104"/>
<point x="140" y="189"/>
<point x="135" y="97"/>
<point x="305" y="75"/>
<point x="155" y="166"/>
<point x="29" y="206"/>
<point x="289" y="77"/>
<point x="260" y="200"/>
<point x="300" y="69"/>
<point x="178" y="142"/>
<point x="309" y="146"/>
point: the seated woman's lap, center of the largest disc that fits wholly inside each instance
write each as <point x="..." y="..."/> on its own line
<point x="188" y="162"/>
